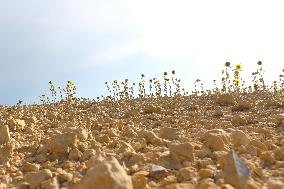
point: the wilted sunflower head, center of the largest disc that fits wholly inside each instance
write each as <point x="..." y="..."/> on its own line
<point x="238" y="67"/>
<point x="165" y="73"/>
<point x="227" y="64"/>
<point x="198" y="80"/>
<point x="259" y="63"/>
<point x="173" y="72"/>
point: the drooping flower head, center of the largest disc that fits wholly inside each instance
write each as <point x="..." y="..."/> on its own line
<point x="227" y="64"/>
<point x="238" y="67"/>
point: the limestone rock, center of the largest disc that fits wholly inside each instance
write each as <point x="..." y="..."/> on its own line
<point x="106" y="175"/>
<point x="169" y="133"/>
<point x="236" y="171"/>
<point x="186" y="174"/>
<point x="36" y="178"/>
<point x="16" y="124"/>
<point x="204" y="152"/>
<point x="239" y="138"/>
<point x="6" y="151"/>
<point x="242" y="106"/>
<point x="225" y="100"/>
<point x="75" y="154"/>
<point x="3" y="186"/>
<point x="50" y="184"/>
<point x="139" y="181"/>
<point x="182" y="152"/>
<point x="238" y="120"/>
<point x="180" y="186"/>
<point x="170" y="179"/>
<point x="94" y="160"/>
<point x="151" y="137"/>
<point x="158" y="172"/>
<point x="258" y="144"/>
<point x="207" y="184"/>
<point x="268" y="156"/>
<point x="275" y="183"/>
<point x="279" y="153"/>
<point x="64" y="176"/>
<point x="61" y="143"/>
<point x="4" y="134"/>
<point x="205" y="173"/>
<point x="216" y="140"/>
<point x="30" y="167"/>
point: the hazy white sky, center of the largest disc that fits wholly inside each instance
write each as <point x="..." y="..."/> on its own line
<point x="92" y="41"/>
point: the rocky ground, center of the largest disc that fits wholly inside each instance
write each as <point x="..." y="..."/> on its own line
<point x="227" y="141"/>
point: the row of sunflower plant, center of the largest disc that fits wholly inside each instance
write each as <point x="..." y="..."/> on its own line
<point x="170" y="85"/>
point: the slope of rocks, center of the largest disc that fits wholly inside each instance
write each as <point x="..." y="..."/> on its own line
<point x="201" y="142"/>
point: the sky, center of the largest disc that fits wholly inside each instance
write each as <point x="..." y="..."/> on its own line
<point x="93" y="41"/>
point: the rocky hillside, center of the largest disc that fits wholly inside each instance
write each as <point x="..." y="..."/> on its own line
<point x="214" y="141"/>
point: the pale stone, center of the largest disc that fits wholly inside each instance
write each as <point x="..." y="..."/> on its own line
<point x="258" y="144"/>
<point x="225" y="100"/>
<point x="75" y="154"/>
<point x="169" y="133"/>
<point x="30" y="167"/>
<point x="106" y="175"/>
<point x="239" y="138"/>
<point x="252" y="150"/>
<point x="205" y="173"/>
<point x="186" y="174"/>
<point x="204" y="152"/>
<point x="64" y="176"/>
<point x="251" y="184"/>
<point x="282" y="142"/>
<point x="103" y="139"/>
<point x="61" y="143"/>
<point x="36" y="178"/>
<point x="139" y="181"/>
<point x="220" y="158"/>
<point x="242" y="106"/>
<point x="182" y="152"/>
<point x="275" y="183"/>
<point x="125" y="147"/>
<point x="4" y="134"/>
<point x="6" y="151"/>
<point x="17" y="124"/>
<point x="151" y="137"/>
<point x="139" y="144"/>
<point x="50" y="184"/>
<point x="227" y="186"/>
<point x="204" y="163"/>
<point x="279" y="153"/>
<point x="238" y="120"/>
<point x="236" y="172"/>
<point x="149" y="109"/>
<point x="94" y="160"/>
<point x="158" y="172"/>
<point x="207" y="184"/>
<point x="180" y="186"/>
<point x="87" y="154"/>
<point x="216" y="139"/>
<point x="168" y="180"/>
<point x="268" y="156"/>
<point x="3" y="186"/>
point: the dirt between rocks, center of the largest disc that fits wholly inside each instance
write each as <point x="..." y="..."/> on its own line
<point x="225" y="141"/>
